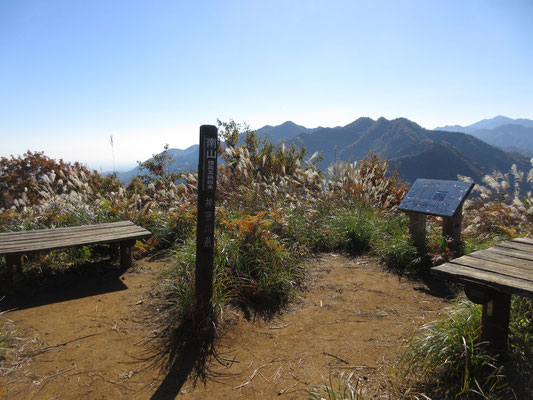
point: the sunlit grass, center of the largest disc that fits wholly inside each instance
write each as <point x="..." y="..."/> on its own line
<point x="446" y="358"/>
<point x="346" y="387"/>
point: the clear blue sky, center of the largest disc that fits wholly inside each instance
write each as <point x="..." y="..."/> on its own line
<point x="74" y="72"/>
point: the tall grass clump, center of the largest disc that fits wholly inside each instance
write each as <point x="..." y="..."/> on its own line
<point x="342" y="388"/>
<point x="177" y="285"/>
<point x="5" y="341"/>
<point x="7" y="335"/>
<point x="252" y="269"/>
<point x="521" y="346"/>
<point x="446" y="359"/>
<point x="261" y="268"/>
<point x="503" y="207"/>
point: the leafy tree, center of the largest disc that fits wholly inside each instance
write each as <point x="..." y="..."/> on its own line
<point x="158" y="168"/>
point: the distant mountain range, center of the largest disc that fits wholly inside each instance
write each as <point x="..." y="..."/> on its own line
<point x="411" y="150"/>
<point x="506" y="133"/>
<point x="184" y="160"/>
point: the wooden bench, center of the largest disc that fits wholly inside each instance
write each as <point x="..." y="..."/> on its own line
<point x="490" y="277"/>
<point x="15" y="244"/>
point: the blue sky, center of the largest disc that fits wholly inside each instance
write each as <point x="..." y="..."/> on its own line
<point x="73" y="72"/>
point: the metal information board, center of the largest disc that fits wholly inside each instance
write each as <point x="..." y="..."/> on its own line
<point x="436" y="197"/>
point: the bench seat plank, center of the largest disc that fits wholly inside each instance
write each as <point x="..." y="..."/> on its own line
<point x="525" y="272"/>
<point x="504" y="258"/>
<point x="73" y="230"/>
<point x="487" y="279"/>
<point x="13" y="240"/>
<point x="507" y="267"/>
<point x="524" y="240"/>
<point x="50" y="239"/>
<point x="516" y="246"/>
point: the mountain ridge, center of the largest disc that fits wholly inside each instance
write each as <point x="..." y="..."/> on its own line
<point x="515" y="135"/>
<point x="410" y="149"/>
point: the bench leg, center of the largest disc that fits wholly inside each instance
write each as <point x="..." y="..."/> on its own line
<point x="126" y="254"/>
<point x="113" y="252"/>
<point x="14" y="268"/>
<point x="495" y="320"/>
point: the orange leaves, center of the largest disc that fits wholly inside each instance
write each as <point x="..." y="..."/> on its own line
<point x="255" y="228"/>
<point x="249" y="225"/>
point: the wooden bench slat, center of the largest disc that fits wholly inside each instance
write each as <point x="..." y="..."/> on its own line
<point x="80" y="236"/>
<point x="63" y="237"/>
<point x="508" y="252"/>
<point x="62" y="231"/>
<point x="70" y="228"/>
<point x="505" y="258"/>
<point x="525" y="272"/>
<point x="524" y="240"/>
<point x="72" y="242"/>
<point x="50" y="239"/>
<point x="523" y="247"/>
<point x="13" y="240"/>
<point x="504" y="284"/>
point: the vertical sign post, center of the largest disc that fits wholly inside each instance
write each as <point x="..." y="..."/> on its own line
<point x="205" y="225"/>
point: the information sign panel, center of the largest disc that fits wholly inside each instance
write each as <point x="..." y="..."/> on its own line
<point x="436" y="197"/>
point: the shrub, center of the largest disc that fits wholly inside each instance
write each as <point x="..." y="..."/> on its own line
<point x="259" y="267"/>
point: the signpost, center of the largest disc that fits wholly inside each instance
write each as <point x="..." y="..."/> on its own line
<point x="205" y="226"/>
<point x="436" y="197"/>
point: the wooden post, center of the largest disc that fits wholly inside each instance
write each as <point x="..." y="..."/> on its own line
<point x="126" y="254"/>
<point x="417" y="230"/>
<point x="205" y="225"/>
<point x="451" y="227"/>
<point x="14" y="268"/>
<point x="495" y="320"/>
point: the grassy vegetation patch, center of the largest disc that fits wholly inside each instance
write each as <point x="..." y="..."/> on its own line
<point x="447" y="359"/>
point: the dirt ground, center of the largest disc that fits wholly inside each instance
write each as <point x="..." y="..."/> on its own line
<point x="88" y="341"/>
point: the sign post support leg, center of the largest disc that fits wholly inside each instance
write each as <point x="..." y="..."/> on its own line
<point x="417" y="230"/>
<point x="451" y="227"/>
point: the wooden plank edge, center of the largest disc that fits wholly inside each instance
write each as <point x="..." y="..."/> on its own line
<point x="67" y="230"/>
<point x="525" y="240"/>
<point x="445" y="271"/>
<point x="495" y="268"/>
<point x="28" y="249"/>
<point x="53" y="236"/>
<point x="506" y="252"/>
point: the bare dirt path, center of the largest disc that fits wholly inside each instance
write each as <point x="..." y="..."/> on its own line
<point x="353" y="317"/>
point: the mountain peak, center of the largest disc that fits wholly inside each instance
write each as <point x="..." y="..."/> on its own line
<point x="489" y="123"/>
<point x="362" y="121"/>
<point x="288" y="123"/>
